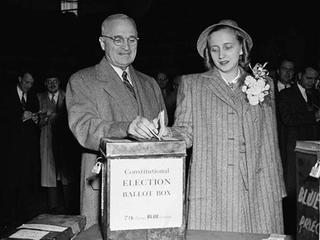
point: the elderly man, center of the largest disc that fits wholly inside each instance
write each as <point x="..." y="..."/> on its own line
<point x="110" y="99"/>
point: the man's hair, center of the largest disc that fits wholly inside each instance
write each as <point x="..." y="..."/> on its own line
<point x="286" y="58"/>
<point x="308" y="65"/>
<point x="23" y="69"/>
<point x="113" y="17"/>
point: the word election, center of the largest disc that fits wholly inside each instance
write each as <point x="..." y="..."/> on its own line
<point x="146" y="182"/>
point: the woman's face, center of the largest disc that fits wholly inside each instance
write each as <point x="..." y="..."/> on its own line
<point x="225" y="49"/>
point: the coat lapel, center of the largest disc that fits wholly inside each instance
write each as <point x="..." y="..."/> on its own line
<point x="298" y="93"/>
<point x="60" y="102"/>
<point x="113" y="86"/>
<point x="231" y="97"/>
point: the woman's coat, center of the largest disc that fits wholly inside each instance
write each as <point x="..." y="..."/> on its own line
<point x="236" y="181"/>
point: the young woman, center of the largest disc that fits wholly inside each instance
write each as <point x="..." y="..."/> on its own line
<point x="236" y="179"/>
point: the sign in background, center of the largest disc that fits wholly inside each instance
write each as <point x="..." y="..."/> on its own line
<point x="146" y="193"/>
<point x="307" y="198"/>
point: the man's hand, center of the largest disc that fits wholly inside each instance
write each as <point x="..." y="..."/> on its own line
<point x="29" y="115"/>
<point x="141" y="127"/>
<point x="26" y="115"/>
<point x="35" y="118"/>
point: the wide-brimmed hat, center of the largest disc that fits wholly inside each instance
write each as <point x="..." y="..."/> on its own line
<point x="202" y="40"/>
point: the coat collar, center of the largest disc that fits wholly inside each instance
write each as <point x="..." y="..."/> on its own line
<point x="232" y="97"/>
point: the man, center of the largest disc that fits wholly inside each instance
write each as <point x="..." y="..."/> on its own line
<point x="103" y="103"/>
<point x="20" y="163"/>
<point x="285" y="74"/>
<point x="299" y="114"/>
<point x="55" y="144"/>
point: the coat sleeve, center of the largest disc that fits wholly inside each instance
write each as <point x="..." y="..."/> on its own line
<point x="85" y="120"/>
<point x="183" y="125"/>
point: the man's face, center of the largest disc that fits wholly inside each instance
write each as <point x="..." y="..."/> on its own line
<point x="123" y="54"/>
<point x="309" y="78"/>
<point x="52" y="84"/>
<point x="286" y="71"/>
<point x="25" y="82"/>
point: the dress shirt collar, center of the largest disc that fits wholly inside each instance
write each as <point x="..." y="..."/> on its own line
<point x="282" y="86"/>
<point x="229" y="83"/>
<point x="55" y="96"/>
<point x="119" y="72"/>
<point x="20" y="93"/>
<point x="303" y="92"/>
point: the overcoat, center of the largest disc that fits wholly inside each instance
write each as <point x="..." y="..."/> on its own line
<point x="48" y="145"/>
<point x="236" y="179"/>
<point x="99" y="105"/>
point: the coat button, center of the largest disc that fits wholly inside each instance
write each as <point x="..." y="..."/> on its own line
<point x="242" y="147"/>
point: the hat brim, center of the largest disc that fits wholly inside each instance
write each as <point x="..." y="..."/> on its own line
<point x="202" y="40"/>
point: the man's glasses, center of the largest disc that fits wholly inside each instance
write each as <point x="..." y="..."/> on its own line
<point x="119" y="40"/>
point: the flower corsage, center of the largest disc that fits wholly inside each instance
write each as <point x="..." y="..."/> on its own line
<point x="256" y="86"/>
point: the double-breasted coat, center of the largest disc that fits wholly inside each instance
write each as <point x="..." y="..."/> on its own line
<point x="236" y="179"/>
<point x="99" y="105"/>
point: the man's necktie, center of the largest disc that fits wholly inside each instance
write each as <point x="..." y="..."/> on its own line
<point x="52" y="99"/>
<point x="23" y="101"/>
<point x="127" y="83"/>
<point x="309" y="98"/>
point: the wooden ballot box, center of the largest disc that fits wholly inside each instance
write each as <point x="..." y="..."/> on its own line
<point x="143" y="189"/>
<point x="308" y="198"/>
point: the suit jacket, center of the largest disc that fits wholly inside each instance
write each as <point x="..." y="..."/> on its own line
<point x="22" y="135"/>
<point x="236" y="181"/>
<point x="99" y="105"/>
<point x="298" y="123"/>
<point x="21" y="163"/>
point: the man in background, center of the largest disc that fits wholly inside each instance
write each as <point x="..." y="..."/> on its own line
<point x="299" y="115"/>
<point x="57" y="151"/>
<point x="20" y="163"/>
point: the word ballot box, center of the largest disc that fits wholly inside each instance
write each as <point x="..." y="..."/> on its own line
<point x="143" y="189"/>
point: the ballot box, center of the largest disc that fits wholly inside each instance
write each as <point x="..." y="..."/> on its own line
<point x="307" y="175"/>
<point x="143" y="189"/>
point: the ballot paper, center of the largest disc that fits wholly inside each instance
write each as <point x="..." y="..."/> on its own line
<point x="45" y="227"/>
<point x="159" y="121"/>
<point x="29" y="234"/>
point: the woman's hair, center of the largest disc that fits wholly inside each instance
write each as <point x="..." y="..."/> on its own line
<point x="244" y="58"/>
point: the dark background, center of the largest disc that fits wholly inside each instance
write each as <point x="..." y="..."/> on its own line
<point x="35" y="31"/>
